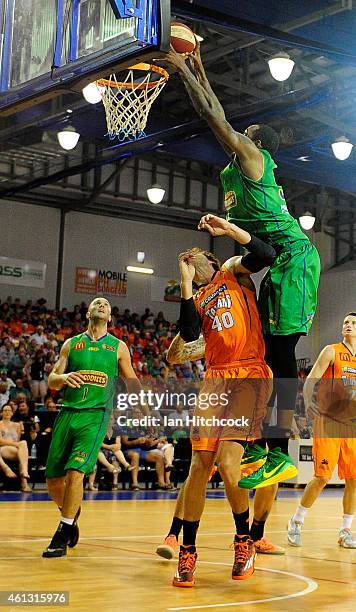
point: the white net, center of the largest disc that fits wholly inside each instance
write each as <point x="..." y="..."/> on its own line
<point x="127" y="103"/>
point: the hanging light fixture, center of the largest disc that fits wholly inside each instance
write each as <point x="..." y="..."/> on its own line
<point x="92" y="93"/>
<point x="68" y="138"/>
<point x="307" y="221"/>
<point x="139" y="269"/>
<point x="342" y="148"/>
<point x="281" y="66"/>
<point x="155" y="194"/>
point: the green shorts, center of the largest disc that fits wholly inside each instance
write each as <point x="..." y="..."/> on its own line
<point x="289" y="291"/>
<point x="76" y="441"/>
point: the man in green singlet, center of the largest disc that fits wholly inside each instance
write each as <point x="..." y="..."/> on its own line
<point x="87" y="367"/>
<point x="254" y="201"/>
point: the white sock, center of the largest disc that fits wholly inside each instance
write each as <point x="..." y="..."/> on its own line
<point x="347" y="521"/>
<point x="67" y="521"/>
<point x="300" y="514"/>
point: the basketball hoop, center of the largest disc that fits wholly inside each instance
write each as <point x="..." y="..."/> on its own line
<point x="127" y="103"/>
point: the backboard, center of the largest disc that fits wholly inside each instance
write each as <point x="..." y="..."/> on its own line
<point x="51" y="46"/>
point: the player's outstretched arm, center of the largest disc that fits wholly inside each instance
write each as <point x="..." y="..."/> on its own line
<point x="260" y="253"/>
<point x="181" y="351"/>
<point x="326" y="358"/>
<point x="58" y="378"/>
<point x="189" y="319"/>
<point x="199" y="71"/>
<point x="208" y="106"/>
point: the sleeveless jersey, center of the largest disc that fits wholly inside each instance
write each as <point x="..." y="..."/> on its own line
<point x="336" y="395"/>
<point x="259" y="207"/>
<point x="96" y="360"/>
<point x="230" y="322"/>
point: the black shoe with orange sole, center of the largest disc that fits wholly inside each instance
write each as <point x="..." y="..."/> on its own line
<point x="184" y="576"/>
<point x="245" y="554"/>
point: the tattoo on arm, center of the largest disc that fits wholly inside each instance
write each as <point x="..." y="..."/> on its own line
<point x="186" y="351"/>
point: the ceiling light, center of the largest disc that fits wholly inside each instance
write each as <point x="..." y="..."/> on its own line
<point x="307" y="221"/>
<point x="140" y="256"/>
<point x="281" y="66"/>
<point x="68" y="138"/>
<point x="342" y="148"/>
<point x="139" y="269"/>
<point x="155" y="194"/>
<point x="92" y="93"/>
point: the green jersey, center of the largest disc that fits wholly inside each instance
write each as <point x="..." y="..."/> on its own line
<point x="259" y="207"/>
<point x="96" y="360"/>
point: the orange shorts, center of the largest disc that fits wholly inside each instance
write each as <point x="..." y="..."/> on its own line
<point x="232" y="404"/>
<point x="329" y="452"/>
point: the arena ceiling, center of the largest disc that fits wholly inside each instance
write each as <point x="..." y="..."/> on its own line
<point x="310" y="110"/>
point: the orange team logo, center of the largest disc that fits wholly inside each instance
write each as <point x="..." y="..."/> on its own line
<point x="109" y="348"/>
<point x="92" y="377"/>
<point x="230" y="199"/>
<point x="78" y="346"/>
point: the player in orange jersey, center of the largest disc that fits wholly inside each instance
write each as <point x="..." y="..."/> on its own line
<point x="225" y="310"/>
<point x="253" y="458"/>
<point x="334" y="441"/>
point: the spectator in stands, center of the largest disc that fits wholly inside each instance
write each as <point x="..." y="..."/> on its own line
<point x="179" y="414"/>
<point x="39" y="336"/>
<point x="302" y="425"/>
<point x="50" y="405"/>
<point x="29" y="421"/>
<point x="19" y="360"/>
<point x="140" y="448"/>
<point x="12" y="448"/>
<point x="4" y="378"/>
<point x="36" y="375"/>
<point x="4" y="394"/>
<point x="7" y="353"/>
<point x="19" y="391"/>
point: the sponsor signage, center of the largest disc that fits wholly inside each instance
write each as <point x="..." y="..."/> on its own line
<point x="22" y="272"/>
<point x="92" y="281"/>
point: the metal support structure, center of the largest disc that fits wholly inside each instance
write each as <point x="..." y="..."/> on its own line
<point x="60" y="259"/>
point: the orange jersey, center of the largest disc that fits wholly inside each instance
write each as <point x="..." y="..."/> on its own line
<point x="336" y="396"/>
<point x="230" y="322"/>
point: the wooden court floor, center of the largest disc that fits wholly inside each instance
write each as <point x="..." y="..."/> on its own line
<point x="114" y="566"/>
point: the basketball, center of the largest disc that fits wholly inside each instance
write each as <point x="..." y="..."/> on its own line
<point x="182" y="38"/>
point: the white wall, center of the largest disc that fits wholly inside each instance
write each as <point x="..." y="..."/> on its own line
<point x="30" y="232"/>
<point x="111" y="243"/>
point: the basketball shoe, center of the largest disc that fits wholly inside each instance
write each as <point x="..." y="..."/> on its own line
<point x="346" y="539"/>
<point x="73" y="540"/>
<point x="253" y="458"/>
<point x="294" y="529"/>
<point x="60" y="541"/>
<point x="264" y="547"/>
<point x="245" y="554"/>
<point x="278" y="467"/>
<point x="168" y="549"/>
<point x="184" y="576"/>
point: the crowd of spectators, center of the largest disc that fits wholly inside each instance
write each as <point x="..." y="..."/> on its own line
<point x="31" y="335"/>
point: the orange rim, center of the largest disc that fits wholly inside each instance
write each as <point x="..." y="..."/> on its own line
<point x="141" y="66"/>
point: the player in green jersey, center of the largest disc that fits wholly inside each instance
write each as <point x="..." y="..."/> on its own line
<point x="87" y="367"/>
<point x="254" y="201"/>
